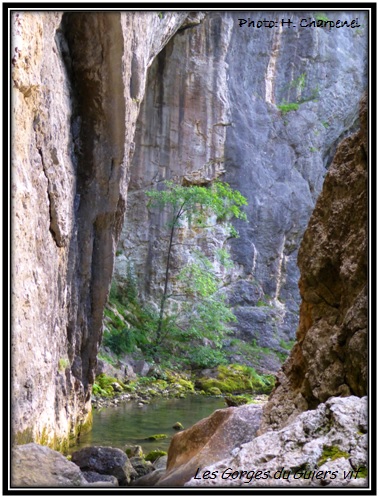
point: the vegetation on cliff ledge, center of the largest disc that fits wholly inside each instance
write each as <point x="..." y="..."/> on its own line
<point x="185" y="328"/>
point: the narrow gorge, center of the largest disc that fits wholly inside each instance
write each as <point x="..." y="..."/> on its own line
<point x="107" y="106"/>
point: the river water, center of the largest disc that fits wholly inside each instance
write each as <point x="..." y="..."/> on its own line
<point x="131" y="424"/>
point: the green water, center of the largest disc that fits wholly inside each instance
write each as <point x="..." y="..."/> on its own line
<point x="131" y="424"/>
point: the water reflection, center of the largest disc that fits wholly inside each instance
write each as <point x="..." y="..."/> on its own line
<point x="131" y="424"/>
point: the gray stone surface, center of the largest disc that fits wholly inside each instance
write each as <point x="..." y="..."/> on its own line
<point x="339" y="423"/>
<point x="105" y="460"/>
<point x="330" y="356"/>
<point x="161" y="462"/>
<point x="213" y="113"/>
<point x="77" y="82"/>
<point x="141" y="466"/>
<point x="149" y="479"/>
<point x="34" y="465"/>
<point x="95" y="477"/>
<point x="207" y="109"/>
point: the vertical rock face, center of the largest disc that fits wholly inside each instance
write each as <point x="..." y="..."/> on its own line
<point x="330" y="356"/>
<point x="77" y="81"/>
<point x="211" y="111"/>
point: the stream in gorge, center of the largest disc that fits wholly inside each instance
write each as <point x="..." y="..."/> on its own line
<point x="130" y="423"/>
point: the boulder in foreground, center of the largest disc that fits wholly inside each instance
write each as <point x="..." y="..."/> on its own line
<point x="208" y="441"/>
<point x="326" y="447"/>
<point x="34" y="465"/>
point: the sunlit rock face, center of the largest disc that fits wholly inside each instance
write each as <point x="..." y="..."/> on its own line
<point x="77" y="81"/>
<point x="210" y="111"/>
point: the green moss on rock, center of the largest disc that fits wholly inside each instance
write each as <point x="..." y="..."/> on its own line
<point x="237" y="379"/>
<point x="154" y="455"/>
<point x="330" y="453"/>
<point x="156" y="437"/>
<point x="237" y="400"/>
<point x="363" y="473"/>
<point x="103" y="385"/>
<point x="24" y="437"/>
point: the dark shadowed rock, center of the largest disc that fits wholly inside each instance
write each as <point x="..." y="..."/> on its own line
<point x="141" y="466"/>
<point x="149" y="479"/>
<point x="105" y="460"/>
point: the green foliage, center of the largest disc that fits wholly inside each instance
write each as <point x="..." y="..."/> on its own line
<point x="287" y="107"/>
<point x="224" y="258"/>
<point x="363" y="473"/>
<point x="103" y="385"/>
<point x="204" y="313"/>
<point x="195" y="203"/>
<point x="63" y="363"/>
<point x="154" y="455"/>
<point x="321" y="16"/>
<point x="358" y="32"/>
<point x="325" y="124"/>
<point x="207" y="357"/>
<point x="128" y="323"/>
<point x="107" y="358"/>
<point x="160" y="15"/>
<point x="299" y="83"/>
<point x="313" y="149"/>
<point x="330" y="453"/>
<point x="238" y="400"/>
<point x="287" y="345"/>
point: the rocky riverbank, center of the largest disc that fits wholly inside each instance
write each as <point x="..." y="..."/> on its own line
<point x="124" y="379"/>
<point x="322" y="447"/>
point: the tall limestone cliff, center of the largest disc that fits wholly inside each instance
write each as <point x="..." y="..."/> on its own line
<point x="330" y="355"/>
<point x="77" y="81"/>
<point x="89" y="91"/>
<point x="211" y="111"/>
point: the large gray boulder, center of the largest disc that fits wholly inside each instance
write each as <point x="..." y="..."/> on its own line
<point x="105" y="460"/>
<point x="328" y="444"/>
<point x="34" y="465"/>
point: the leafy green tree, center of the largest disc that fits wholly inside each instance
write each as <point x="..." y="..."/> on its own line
<point x="194" y="205"/>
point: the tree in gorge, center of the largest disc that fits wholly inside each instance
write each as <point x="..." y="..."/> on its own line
<point x="194" y="205"/>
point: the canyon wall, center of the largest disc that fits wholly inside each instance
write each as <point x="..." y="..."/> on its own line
<point x="211" y="111"/>
<point x="77" y="80"/>
<point x="92" y="90"/>
<point x="330" y="355"/>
